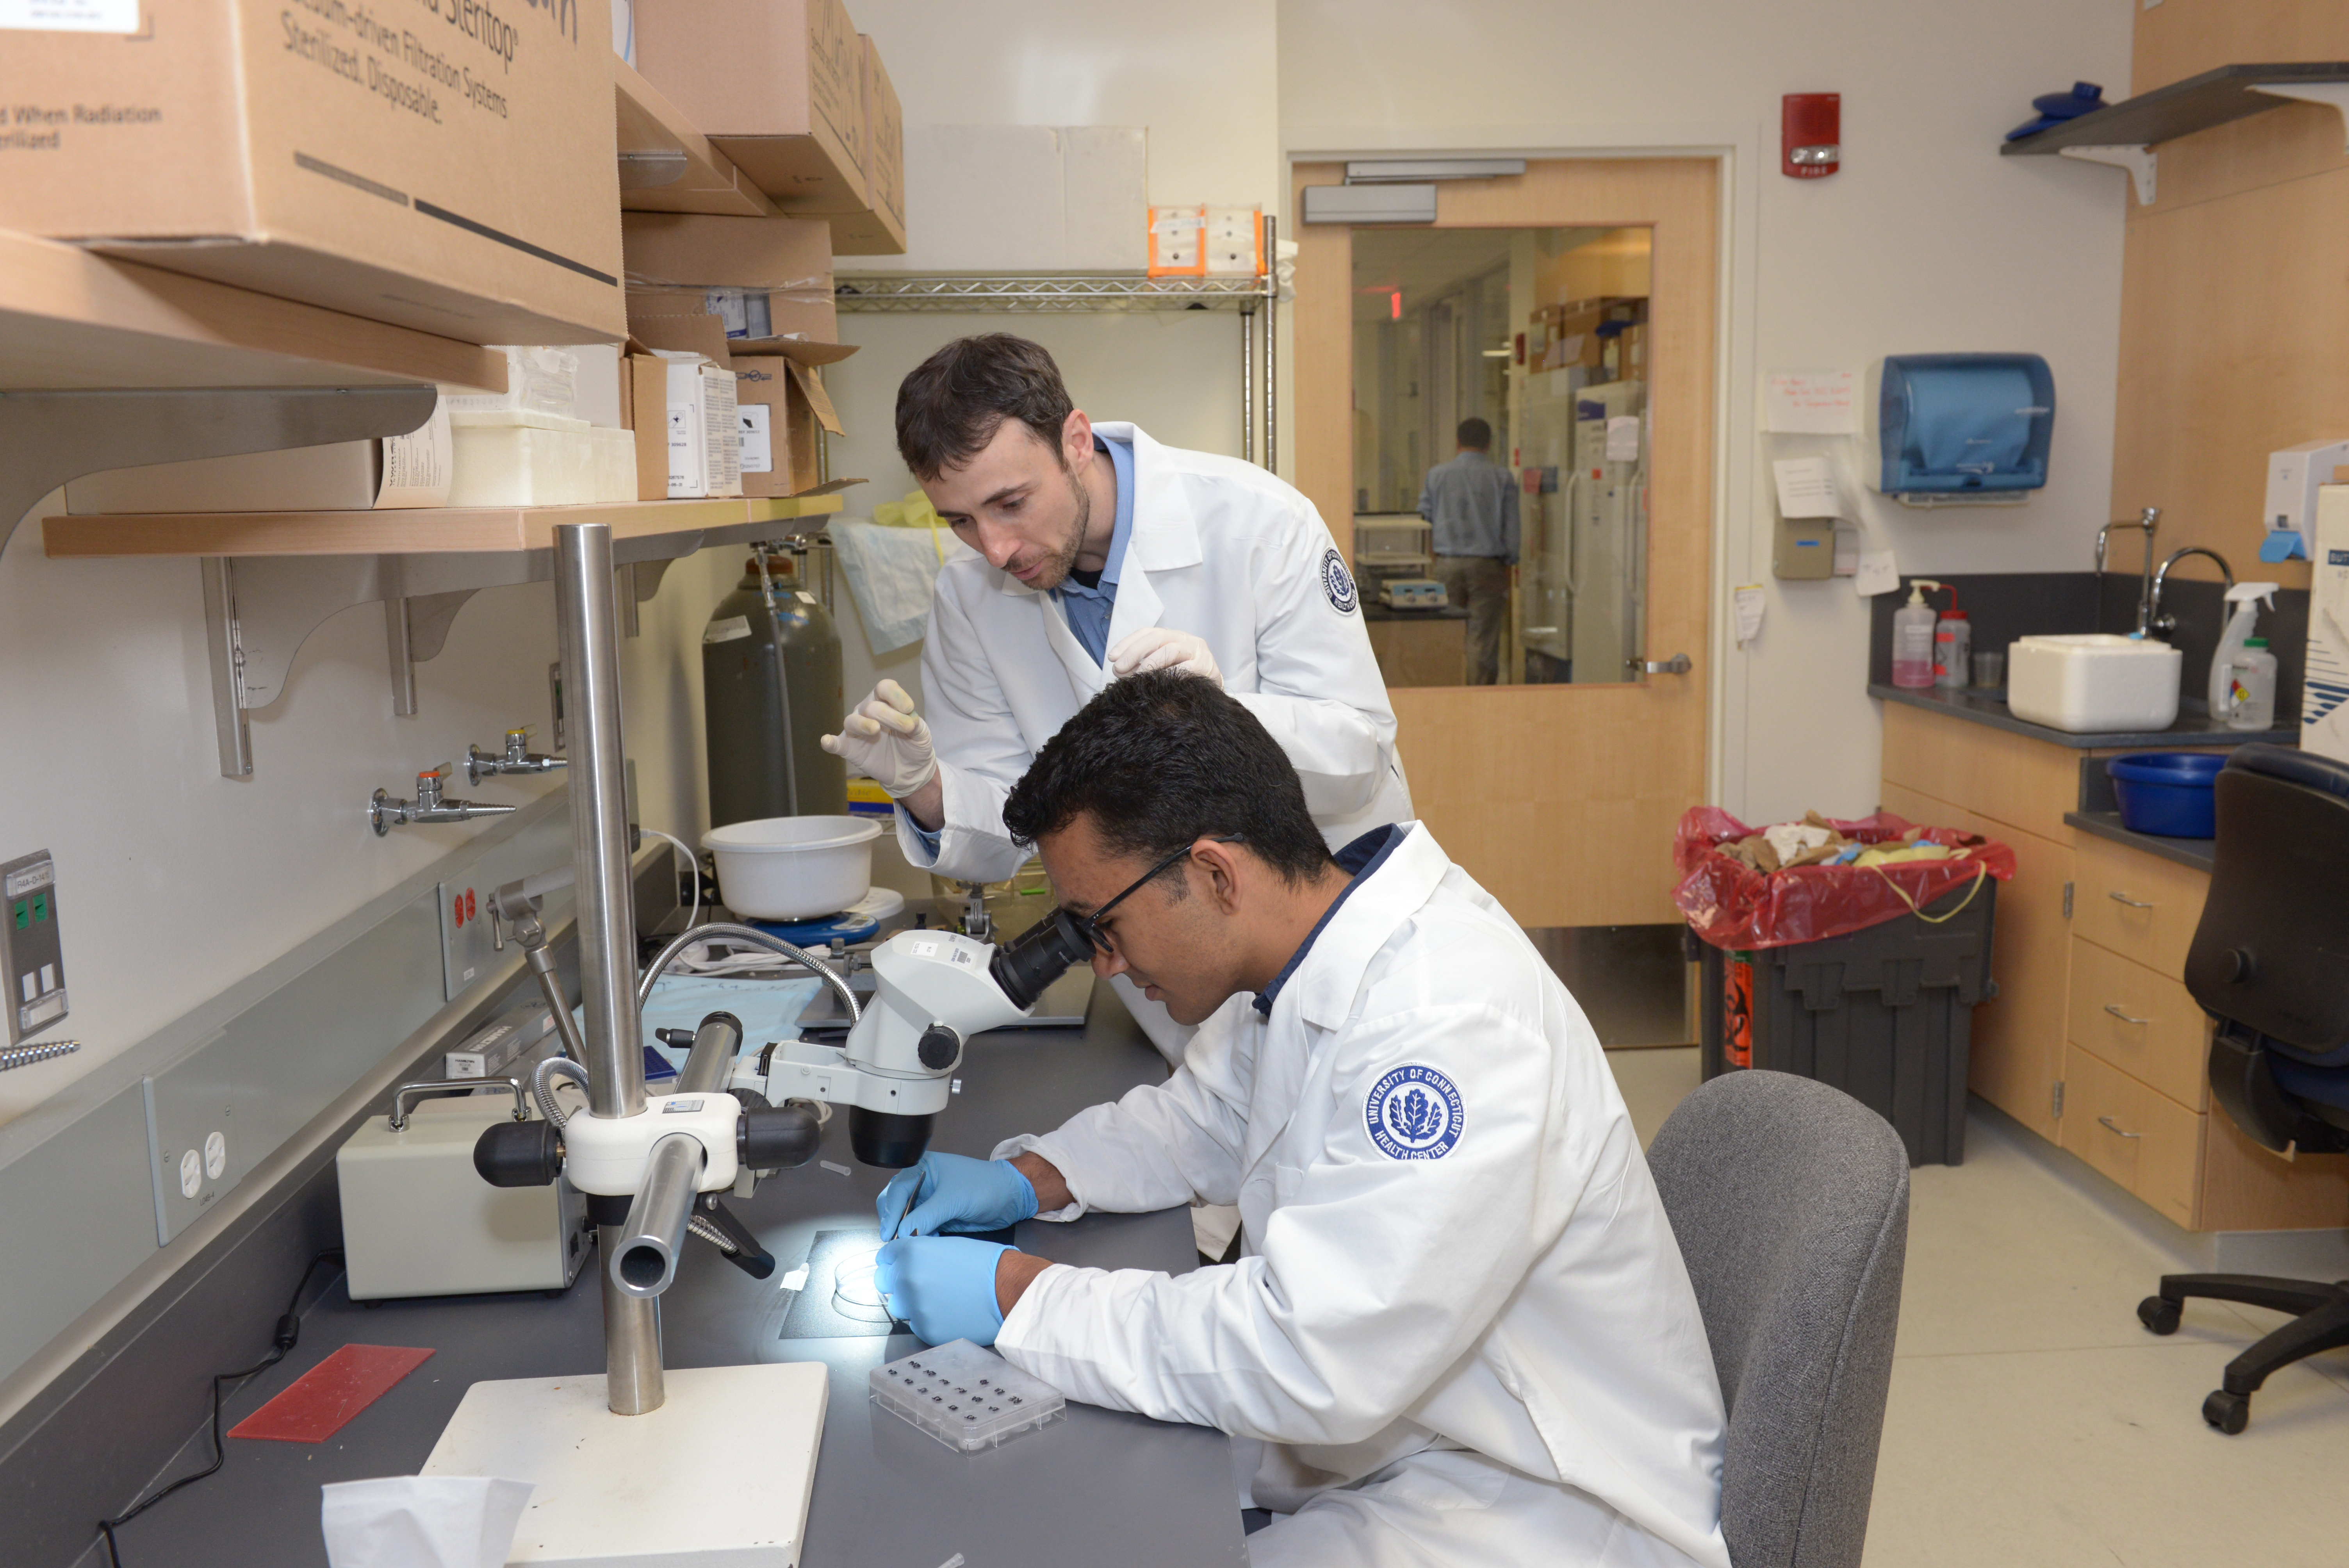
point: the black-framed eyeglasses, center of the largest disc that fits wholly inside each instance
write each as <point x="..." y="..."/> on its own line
<point x="1090" y="923"/>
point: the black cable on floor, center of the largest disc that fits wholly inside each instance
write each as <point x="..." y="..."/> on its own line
<point x="289" y="1331"/>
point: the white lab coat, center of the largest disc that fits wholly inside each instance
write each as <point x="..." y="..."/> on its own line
<point x="1520" y="1297"/>
<point x="1220" y="549"/>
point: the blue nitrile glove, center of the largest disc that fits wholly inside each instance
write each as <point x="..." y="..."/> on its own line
<point x="942" y="1286"/>
<point x="948" y="1192"/>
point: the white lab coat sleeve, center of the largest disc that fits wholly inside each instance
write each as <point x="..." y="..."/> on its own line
<point x="981" y="753"/>
<point x="1317" y="685"/>
<point x="1375" y="1275"/>
<point x="1162" y="1144"/>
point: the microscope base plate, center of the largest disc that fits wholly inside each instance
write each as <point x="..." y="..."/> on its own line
<point x="675" y="1488"/>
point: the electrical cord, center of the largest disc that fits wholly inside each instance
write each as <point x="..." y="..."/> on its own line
<point x="289" y="1331"/>
<point x="693" y="919"/>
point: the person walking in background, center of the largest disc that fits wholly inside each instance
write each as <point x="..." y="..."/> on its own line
<point x="1473" y="504"/>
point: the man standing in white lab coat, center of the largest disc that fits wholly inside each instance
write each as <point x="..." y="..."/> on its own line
<point x="1472" y="505"/>
<point x="1460" y="1331"/>
<point x="1100" y="553"/>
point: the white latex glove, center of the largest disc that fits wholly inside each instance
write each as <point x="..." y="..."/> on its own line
<point x="1163" y="648"/>
<point x="885" y="739"/>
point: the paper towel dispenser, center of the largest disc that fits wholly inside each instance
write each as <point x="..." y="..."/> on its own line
<point x="1957" y="429"/>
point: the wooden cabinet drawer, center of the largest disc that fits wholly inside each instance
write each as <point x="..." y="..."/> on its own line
<point x="2138" y="1135"/>
<point x="2136" y="905"/>
<point x="2146" y="1024"/>
<point x="2011" y="779"/>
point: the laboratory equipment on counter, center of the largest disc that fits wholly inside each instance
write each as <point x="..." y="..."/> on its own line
<point x="419" y="1221"/>
<point x="33" y="951"/>
<point x="2251" y="686"/>
<point x="1954" y="642"/>
<point x="1959" y="428"/>
<point x="966" y="1397"/>
<point x="2296" y="475"/>
<point x="1912" y="637"/>
<point x="795" y="867"/>
<point x="770" y="684"/>
<point x="1413" y="594"/>
<point x="2087" y="682"/>
<point x="2161" y="622"/>
<point x="428" y="807"/>
<point x="2242" y="612"/>
<point x="1990" y="670"/>
<point x="2146" y="522"/>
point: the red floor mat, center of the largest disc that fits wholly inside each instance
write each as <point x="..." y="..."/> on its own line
<point x="321" y="1401"/>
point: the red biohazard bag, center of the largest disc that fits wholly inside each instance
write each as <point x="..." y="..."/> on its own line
<point x="1731" y="905"/>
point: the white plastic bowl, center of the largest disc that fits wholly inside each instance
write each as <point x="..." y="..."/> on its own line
<point x="793" y="868"/>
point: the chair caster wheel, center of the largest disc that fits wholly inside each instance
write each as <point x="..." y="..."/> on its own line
<point x="2231" y="1413"/>
<point x="2160" y="1314"/>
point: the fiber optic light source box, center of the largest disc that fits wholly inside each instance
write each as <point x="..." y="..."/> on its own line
<point x="446" y="165"/>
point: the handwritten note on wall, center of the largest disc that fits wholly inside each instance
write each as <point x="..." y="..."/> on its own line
<point x="1811" y="403"/>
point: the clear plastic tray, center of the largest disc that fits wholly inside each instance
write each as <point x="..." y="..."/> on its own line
<point x="966" y="1398"/>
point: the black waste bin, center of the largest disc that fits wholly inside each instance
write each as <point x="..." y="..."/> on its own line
<point x="1885" y="1014"/>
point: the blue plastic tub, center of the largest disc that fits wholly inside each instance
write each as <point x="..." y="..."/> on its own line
<point x="2167" y="793"/>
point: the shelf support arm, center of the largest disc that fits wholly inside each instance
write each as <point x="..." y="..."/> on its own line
<point x="2137" y="160"/>
<point x="48" y="438"/>
<point x="2334" y="95"/>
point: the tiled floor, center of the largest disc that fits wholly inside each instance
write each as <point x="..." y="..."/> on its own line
<point x="2033" y="1422"/>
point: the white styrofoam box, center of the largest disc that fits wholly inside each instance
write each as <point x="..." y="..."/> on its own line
<point x="2089" y="683"/>
<point x="1105" y="201"/>
<point x="544" y="380"/>
<point x="522" y="457"/>
<point x="2325" y="683"/>
<point x="1235" y="242"/>
<point x="398" y="471"/>
<point x="598" y="386"/>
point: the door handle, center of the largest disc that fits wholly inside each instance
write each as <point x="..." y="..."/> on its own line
<point x="1678" y="664"/>
<point x="2119" y="897"/>
<point x="2106" y="1123"/>
<point x="2124" y="1017"/>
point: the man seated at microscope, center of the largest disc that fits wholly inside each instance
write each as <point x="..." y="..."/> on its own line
<point x="1460" y="1330"/>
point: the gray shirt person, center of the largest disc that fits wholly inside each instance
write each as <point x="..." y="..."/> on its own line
<point x="1473" y="502"/>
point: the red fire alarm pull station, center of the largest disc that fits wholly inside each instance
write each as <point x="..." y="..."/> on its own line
<point x="1810" y="135"/>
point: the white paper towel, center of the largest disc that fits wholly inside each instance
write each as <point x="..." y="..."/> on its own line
<point x="423" y="1522"/>
<point x="893" y="572"/>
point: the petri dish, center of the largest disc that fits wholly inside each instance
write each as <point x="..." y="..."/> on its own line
<point x="857" y="1289"/>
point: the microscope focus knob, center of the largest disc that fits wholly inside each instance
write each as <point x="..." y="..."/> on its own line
<point x="939" y="1046"/>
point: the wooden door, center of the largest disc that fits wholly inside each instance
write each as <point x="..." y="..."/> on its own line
<point x="1560" y="799"/>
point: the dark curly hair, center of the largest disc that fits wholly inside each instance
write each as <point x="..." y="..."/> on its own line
<point x="952" y="404"/>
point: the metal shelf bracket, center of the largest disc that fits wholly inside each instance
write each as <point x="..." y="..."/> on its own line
<point x="2137" y="160"/>
<point x="49" y="437"/>
<point x="2334" y="95"/>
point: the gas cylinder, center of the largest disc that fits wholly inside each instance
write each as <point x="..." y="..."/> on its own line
<point x="770" y="688"/>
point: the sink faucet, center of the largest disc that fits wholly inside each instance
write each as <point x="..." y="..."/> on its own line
<point x="517" y="758"/>
<point x="2161" y="621"/>
<point x="429" y="806"/>
<point x="2148" y="521"/>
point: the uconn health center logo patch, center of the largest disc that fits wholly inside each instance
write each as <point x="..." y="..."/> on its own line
<point x="1414" y="1113"/>
<point x="1338" y="582"/>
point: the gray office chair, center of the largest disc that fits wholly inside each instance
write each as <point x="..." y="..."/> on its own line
<point x="1790" y="1200"/>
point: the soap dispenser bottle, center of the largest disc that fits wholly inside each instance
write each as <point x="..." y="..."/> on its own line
<point x="2243" y="601"/>
<point x="1913" y="638"/>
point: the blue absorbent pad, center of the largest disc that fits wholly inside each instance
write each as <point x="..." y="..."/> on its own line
<point x="769" y="1010"/>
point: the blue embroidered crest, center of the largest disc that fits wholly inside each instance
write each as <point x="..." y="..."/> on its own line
<point x="1414" y="1113"/>
<point x="1338" y="582"/>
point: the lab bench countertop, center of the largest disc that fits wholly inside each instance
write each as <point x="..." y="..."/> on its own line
<point x="1976" y="705"/>
<point x="1098" y="1486"/>
<point x="2195" y="852"/>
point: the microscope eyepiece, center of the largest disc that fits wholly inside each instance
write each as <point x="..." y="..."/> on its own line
<point x="1028" y="964"/>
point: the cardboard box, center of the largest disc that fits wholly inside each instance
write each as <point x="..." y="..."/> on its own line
<point x="705" y="434"/>
<point x="1177" y="241"/>
<point x="396" y="472"/>
<point x="644" y="410"/>
<point x="880" y="228"/>
<point x="448" y="168"/>
<point x="778" y="84"/>
<point x="764" y="277"/>
<point x="1235" y="242"/>
<point x="2325" y="683"/>
<point x="782" y="403"/>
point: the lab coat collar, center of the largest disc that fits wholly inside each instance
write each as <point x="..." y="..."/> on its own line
<point x="1357" y="860"/>
<point x="1384" y="896"/>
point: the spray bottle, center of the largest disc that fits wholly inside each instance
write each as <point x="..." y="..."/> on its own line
<point x="2245" y="601"/>
<point x="1912" y="637"/>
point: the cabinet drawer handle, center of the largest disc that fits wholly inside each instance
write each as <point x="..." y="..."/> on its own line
<point x="2119" y="897"/>
<point x="2124" y="1017"/>
<point x="2106" y="1123"/>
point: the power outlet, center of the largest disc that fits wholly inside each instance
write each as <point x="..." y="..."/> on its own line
<point x="467" y="945"/>
<point x="32" y="955"/>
